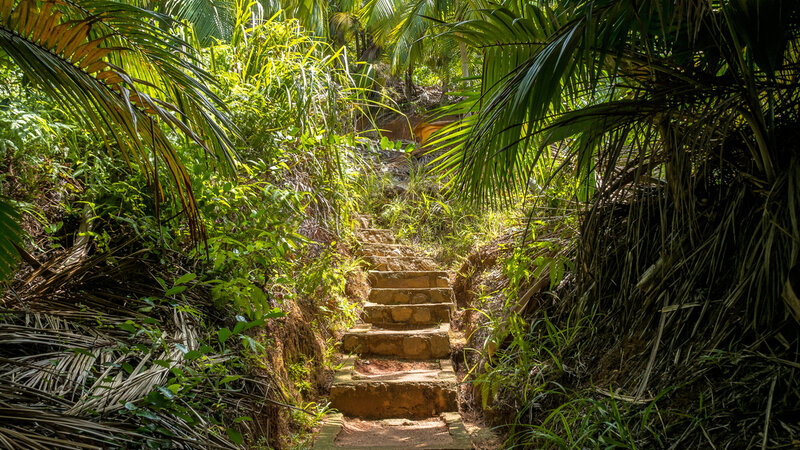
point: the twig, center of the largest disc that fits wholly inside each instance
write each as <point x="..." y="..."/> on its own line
<point x="33" y="262"/>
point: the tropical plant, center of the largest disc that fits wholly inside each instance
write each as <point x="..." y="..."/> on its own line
<point x="635" y="97"/>
<point x="677" y="121"/>
<point x="119" y="69"/>
<point x="406" y="28"/>
<point x="84" y="369"/>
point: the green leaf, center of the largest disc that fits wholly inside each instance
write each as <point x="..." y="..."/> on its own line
<point x="146" y="414"/>
<point x="185" y="279"/>
<point x="168" y="393"/>
<point x="157" y="399"/>
<point x="254" y="345"/>
<point x="235" y="436"/>
<point x="128" y="326"/>
<point x="192" y="355"/>
<point x="240" y="326"/>
<point x="229" y="378"/>
<point x="274" y="313"/>
<point x="174" y="290"/>
<point x="161" y="282"/>
<point x="224" y="334"/>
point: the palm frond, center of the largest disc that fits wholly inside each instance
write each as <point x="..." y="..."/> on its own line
<point x="642" y="96"/>
<point x="211" y="19"/>
<point x="88" y="358"/>
<point x="113" y="67"/>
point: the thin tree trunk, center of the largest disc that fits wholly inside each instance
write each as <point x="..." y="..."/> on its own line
<point x="364" y="45"/>
<point x="409" y="83"/>
<point x="445" y="84"/>
<point x="464" y="66"/>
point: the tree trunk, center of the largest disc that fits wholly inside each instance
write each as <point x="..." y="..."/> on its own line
<point x="445" y="76"/>
<point x="409" y="83"/>
<point x="464" y="66"/>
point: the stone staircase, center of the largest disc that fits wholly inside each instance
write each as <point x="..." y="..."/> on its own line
<point x="397" y="389"/>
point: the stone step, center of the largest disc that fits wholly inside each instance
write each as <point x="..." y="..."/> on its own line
<point x="381" y="389"/>
<point x="410" y="296"/>
<point x="417" y="314"/>
<point x="362" y="221"/>
<point x="375" y="236"/>
<point x="446" y="432"/>
<point x="400" y="263"/>
<point x="408" y="279"/>
<point x="408" y="343"/>
<point x="368" y="249"/>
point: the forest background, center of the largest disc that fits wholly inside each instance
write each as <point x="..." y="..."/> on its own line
<point x="616" y="190"/>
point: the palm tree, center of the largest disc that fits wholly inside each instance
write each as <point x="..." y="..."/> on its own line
<point x="406" y="27"/>
<point x="119" y="69"/>
<point x="402" y="27"/>
<point x="680" y="124"/>
<point x="643" y="91"/>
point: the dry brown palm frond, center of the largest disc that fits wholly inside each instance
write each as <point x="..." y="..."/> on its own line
<point x="82" y="356"/>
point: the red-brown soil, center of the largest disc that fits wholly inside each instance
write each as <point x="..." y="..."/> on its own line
<point x="379" y="366"/>
<point x="394" y="433"/>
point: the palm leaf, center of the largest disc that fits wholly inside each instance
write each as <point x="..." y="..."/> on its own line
<point x="114" y="68"/>
<point x="73" y="375"/>
<point x="211" y="19"/>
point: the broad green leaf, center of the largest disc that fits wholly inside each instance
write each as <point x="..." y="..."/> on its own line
<point x="235" y="436"/>
<point x="174" y="290"/>
<point x="185" y="279"/>
<point x="224" y="334"/>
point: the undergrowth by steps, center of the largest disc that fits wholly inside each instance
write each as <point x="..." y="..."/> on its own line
<point x="551" y="369"/>
<point x="124" y="332"/>
<point x="415" y="204"/>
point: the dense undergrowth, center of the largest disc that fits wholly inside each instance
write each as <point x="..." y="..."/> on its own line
<point x="550" y="367"/>
<point x="414" y="203"/>
<point x="618" y="197"/>
<point x="125" y="331"/>
<point x="660" y="308"/>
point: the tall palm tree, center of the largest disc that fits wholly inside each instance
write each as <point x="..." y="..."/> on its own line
<point x="118" y="68"/>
